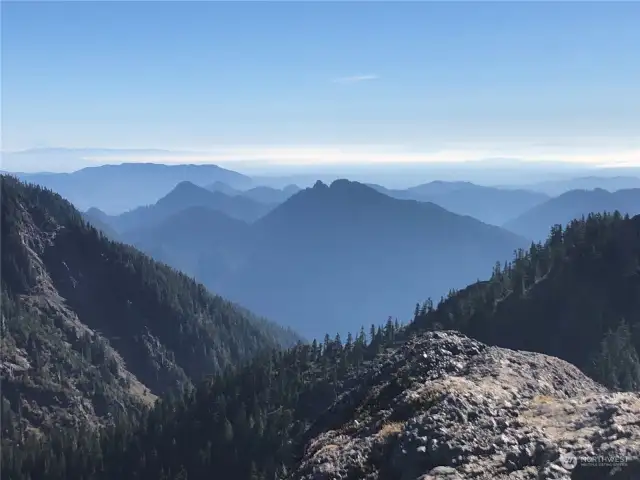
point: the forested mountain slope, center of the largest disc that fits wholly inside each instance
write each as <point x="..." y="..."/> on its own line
<point x="92" y="327"/>
<point x="561" y="298"/>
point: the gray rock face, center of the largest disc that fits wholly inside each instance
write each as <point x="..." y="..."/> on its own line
<point x="443" y="406"/>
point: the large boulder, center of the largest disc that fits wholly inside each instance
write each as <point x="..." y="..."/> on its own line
<point x="446" y="406"/>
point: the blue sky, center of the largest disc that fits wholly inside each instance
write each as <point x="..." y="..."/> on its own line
<point x="299" y="81"/>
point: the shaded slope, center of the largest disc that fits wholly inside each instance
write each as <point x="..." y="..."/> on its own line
<point x="90" y="320"/>
<point x="334" y="258"/>
<point x="197" y="239"/>
<point x="537" y="222"/>
<point x="185" y="195"/>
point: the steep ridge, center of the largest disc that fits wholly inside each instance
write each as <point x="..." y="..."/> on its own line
<point x="537" y="222"/>
<point x="92" y="327"/>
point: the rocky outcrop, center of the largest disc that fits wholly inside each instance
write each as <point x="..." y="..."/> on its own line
<point x="445" y="406"/>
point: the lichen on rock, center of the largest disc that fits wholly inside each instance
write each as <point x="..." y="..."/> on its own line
<point x="446" y="406"/>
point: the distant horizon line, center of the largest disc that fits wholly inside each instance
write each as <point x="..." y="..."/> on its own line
<point x="333" y="169"/>
<point x="307" y="158"/>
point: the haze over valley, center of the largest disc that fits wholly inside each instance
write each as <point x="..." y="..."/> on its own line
<point x="273" y="249"/>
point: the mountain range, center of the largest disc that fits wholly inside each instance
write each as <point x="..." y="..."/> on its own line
<point x="263" y="194"/>
<point x="184" y="196"/>
<point x="610" y="183"/>
<point x="537" y="222"/>
<point x="118" y="188"/>
<point x="92" y="329"/>
<point x="330" y="257"/>
<point x="143" y="184"/>
<point x="488" y="204"/>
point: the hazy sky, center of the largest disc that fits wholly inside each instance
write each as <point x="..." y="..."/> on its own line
<point x="308" y="82"/>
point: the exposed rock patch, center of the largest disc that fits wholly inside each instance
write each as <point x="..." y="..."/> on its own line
<point x="446" y="406"/>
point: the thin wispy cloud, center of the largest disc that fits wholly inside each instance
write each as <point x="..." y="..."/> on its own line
<point x="355" y="79"/>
